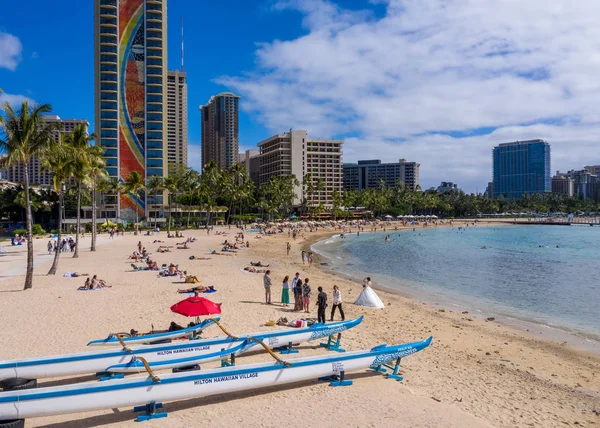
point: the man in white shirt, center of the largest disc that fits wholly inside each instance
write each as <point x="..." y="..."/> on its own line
<point x="337" y="302"/>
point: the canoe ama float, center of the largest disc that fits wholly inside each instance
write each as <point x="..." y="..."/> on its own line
<point x="162" y="356"/>
<point x="112" y="340"/>
<point x="139" y="390"/>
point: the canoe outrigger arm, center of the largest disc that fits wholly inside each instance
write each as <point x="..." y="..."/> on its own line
<point x="271" y="353"/>
<point x="147" y="367"/>
<point x="218" y="324"/>
<point x="120" y="339"/>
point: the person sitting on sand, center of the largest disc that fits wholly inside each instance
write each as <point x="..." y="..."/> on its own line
<point x="98" y="283"/>
<point x="258" y="264"/>
<point x="152" y="265"/>
<point x="182" y="245"/>
<point x="191" y="279"/>
<point x="135" y="256"/>
<point x="254" y="270"/>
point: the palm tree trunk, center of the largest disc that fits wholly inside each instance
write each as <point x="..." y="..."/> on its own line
<point x="188" y="218"/>
<point x="29" y="274"/>
<point x="93" y="246"/>
<point x="61" y="198"/>
<point x="170" y="214"/>
<point x="137" y="227"/>
<point x="76" y="254"/>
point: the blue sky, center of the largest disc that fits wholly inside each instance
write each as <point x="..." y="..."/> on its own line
<point x="439" y="82"/>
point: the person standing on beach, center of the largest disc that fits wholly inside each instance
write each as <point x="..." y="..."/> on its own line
<point x="337" y="303"/>
<point x="322" y="305"/>
<point x="288" y="248"/>
<point x="297" y="287"/>
<point x="50" y="246"/>
<point x="303" y="255"/>
<point x="306" y="292"/>
<point x="309" y="259"/>
<point x="285" y="291"/>
<point x="267" y="283"/>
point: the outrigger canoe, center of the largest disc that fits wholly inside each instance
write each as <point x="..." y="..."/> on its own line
<point x="113" y="340"/>
<point x="165" y="356"/>
<point x="89" y="396"/>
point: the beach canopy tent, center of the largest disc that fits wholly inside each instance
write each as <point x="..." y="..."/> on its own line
<point x="196" y="307"/>
<point x="388" y="216"/>
<point x="108" y="223"/>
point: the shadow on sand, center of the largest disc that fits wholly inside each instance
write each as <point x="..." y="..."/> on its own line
<point x="123" y="416"/>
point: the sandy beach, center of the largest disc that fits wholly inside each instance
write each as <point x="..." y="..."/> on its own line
<point x="475" y="374"/>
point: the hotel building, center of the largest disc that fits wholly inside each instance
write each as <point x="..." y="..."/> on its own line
<point x="38" y="175"/>
<point x="521" y="167"/>
<point x="366" y="174"/>
<point x="294" y="153"/>
<point x="177" y="118"/>
<point x="130" y="92"/>
<point x="220" y="130"/>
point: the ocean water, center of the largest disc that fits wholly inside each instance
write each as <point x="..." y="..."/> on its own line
<point x="557" y="285"/>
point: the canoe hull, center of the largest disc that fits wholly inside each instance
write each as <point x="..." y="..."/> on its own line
<point x="139" y="391"/>
<point x="159" y="356"/>
<point x="112" y="340"/>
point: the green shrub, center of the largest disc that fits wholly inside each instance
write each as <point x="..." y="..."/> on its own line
<point x="38" y="230"/>
<point x="20" y="231"/>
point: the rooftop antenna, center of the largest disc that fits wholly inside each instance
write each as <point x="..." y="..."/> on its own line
<point x="182" y="51"/>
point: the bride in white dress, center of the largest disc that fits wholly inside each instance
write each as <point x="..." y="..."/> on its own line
<point x="368" y="297"/>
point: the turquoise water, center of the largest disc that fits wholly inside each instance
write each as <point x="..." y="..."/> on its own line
<point x="514" y="277"/>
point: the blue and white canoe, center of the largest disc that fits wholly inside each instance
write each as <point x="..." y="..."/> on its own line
<point x="133" y="391"/>
<point x="112" y="340"/>
<point x="165" y="356"/>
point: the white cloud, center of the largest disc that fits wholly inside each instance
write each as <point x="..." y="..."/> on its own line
<point x="528" y="69"/>
<point x="14" y="100"/>
<point x="10" y="51"/>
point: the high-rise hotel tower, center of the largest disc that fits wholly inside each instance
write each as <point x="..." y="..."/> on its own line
<point x="131" y="92"/>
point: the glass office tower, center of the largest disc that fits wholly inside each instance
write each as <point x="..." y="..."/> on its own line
<point x="130" y="91"/>
<point x="521" y="167"/>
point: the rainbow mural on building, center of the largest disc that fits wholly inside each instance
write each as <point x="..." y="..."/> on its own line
<point x="132" y="101"/>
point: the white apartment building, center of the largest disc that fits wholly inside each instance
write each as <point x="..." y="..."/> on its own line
<point x="294" y="153"/>
<point x="38" y="175"/>
<point x="177" y="118"/>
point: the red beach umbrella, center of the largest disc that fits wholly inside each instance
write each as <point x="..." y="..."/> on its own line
<point x="196" y="306"/>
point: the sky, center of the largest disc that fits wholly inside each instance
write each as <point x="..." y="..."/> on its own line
<point x="439" y="82"/>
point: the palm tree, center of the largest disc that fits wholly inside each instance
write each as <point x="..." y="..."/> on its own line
<point x="103" y="186"/>
<point x="135" y="184"/>
<point x="191" y="185"/>
<point x="154" y="185"/>
<point x="97" y="175"/>
<point x="24" y="135"/>
<point x="79" y="141"/>
<point x="58" y="158"/>
<point x="210" y="186"/>
<point x="171" y="185"/>
<point x="117" y="188"/>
